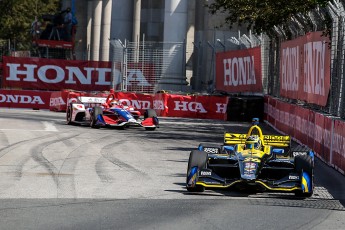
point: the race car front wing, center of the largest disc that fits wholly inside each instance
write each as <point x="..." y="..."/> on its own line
<point x="291" y="183"/>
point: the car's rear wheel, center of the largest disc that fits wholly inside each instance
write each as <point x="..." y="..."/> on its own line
<point x="150" y="113"/>
<point x="150" y="128"/>
<point x="196" y="159"/>
<point x="304" y="164"/>
<point x="96" y="111"/>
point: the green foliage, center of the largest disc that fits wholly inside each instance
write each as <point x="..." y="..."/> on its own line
<point x="16" y="19"/>
<point x="262" y="15"/>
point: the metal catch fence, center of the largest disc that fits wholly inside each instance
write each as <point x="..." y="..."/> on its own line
<point x="316" y="21"/>
<point x="144" y="66"/>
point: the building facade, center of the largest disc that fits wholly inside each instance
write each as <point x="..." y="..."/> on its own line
<point x="167" y="21"/>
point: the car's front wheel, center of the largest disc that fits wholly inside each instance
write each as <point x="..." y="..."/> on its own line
<point x="305" y="168"/>
<point x="96" y="111"/>
<point x="69" y="114"/>
<point x="197" y="160"/>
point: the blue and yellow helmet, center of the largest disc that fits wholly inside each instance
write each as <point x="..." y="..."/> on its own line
<point x="253" y="142"/>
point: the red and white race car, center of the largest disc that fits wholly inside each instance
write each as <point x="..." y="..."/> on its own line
<point x="108" y="112"/>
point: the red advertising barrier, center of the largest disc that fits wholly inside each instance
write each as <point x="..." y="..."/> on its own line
<point x="58" y="100"/>
<point x="166" y="105"/>
<point x="211" y="107"/>
<point x="305" y="68"/>
<point x="282" y="121"/>
<point x="339" y="145"/>
<point x="322" y="138"/>
<point x="272" y="111"/>
<point x="160" y="104"/>
<point x="24" y="99"/>
<point x="323" y="134"/>
<point x="239" y="71"/>
<point x="327" y="133"/>
<point x="301" y="132"/>
<point x="56" y="74"/>
<point x="141" y="102"/>
<point x="183" y="106"/>
<point x="311" y="128"/>
<point x="216" y="107"/>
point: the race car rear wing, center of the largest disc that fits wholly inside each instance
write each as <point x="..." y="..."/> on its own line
<point x="93" y="100"/>
<point x="273" y="140"/>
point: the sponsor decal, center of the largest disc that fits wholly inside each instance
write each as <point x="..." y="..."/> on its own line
<point x="290" y="68"/>
<point x="211" y="150"/>
<point x="25" y="99"/>
<point x="221" y="108"/>
<point x="138" y="104"/>
<point x="249" y="167"/>
<point x="249" y="159"/>
<point x="314" y="71"/>
<point x="239" y="71"/>
<point x="293" y="177"/>
<point x="305" y="68"/>
<point x="189" y="106"/>
<point x="299" y="153"/>
<point x="276" y="138"/>
<point x="21" y="99"/>
<point x="92" y="99"/>
<point x="58" y="74"/>
<point x="205" y="173"/>
<point x="158" y="105"/>
<point x="57" y="101"/>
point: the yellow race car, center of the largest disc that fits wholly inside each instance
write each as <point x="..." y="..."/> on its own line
<point x="252" y="161"/>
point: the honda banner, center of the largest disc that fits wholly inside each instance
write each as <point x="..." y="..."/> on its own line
<point x="53" y="74"/>
<point x="305" y="68"/>
<point x="239" y="71"/>
<point x="24" y="99"/>
<point x="211" y="107"/>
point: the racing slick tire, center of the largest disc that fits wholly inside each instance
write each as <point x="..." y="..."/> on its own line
<point x="304" y="163"/>
<point x="96" y="111"/>
<point x="150" y="128"/>
<point x="199" y="159"/>
<point x="150" y="113"/>
<point x="69" y="114"/>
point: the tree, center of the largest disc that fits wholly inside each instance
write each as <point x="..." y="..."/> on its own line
<point x="16" y="19"/>
<point x="262" y="15"/>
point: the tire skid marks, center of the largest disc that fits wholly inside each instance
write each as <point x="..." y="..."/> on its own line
<point x="66" y="185"/>
<point x="3" y="139"/>
<point x="36" y="153"/>
<point x="14" y="158"/>
<point x="108" y="153"/>
<point x="8" y="148"/>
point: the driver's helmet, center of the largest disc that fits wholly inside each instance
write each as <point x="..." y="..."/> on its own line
<point x="114" y="102"/>
<point x="253" y="142"/>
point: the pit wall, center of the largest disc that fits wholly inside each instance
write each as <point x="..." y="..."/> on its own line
<point x="320" y="132"/>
